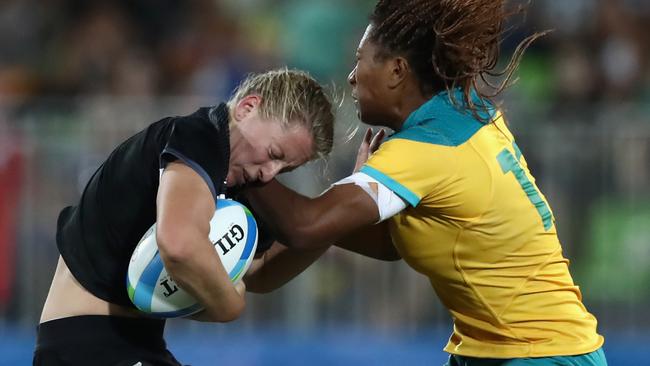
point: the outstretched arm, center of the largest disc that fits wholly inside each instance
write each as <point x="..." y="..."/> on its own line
<point x="310" y="223"/>
<point x="341" y="211"/>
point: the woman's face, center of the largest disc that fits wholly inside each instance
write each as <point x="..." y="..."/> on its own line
<point x="261" y="148"/>
<point x="369" y="83"/>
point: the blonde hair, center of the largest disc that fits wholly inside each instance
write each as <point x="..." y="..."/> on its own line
<point x="294" y="98"/>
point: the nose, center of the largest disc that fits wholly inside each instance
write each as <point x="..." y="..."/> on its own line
<point x="270" y="170"/>
<point x="352" y="77"/>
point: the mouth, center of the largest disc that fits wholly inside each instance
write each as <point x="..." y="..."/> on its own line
<point x="355" y="101"/>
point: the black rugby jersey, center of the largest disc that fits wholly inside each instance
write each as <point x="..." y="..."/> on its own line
<point x="97" y="237"/>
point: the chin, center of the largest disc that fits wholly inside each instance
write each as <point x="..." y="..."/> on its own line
<point x="370" y="119"/>
<point x="373" y="121"/>
<point x="362" y="117"/>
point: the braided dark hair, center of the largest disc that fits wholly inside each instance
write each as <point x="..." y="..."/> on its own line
<point x="449" y="44"/>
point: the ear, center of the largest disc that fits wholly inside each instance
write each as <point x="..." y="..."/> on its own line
<point x="399" y="69"/>
<point x="246" y="105"/>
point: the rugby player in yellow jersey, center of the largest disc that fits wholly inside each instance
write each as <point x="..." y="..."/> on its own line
<point x="450" y="189"/>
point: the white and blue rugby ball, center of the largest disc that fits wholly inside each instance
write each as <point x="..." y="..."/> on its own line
<point x="233" y="231"/>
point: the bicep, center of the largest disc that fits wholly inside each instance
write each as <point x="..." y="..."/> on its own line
<point x="302" y="222"/>
<point x="184" y="203"/>
<point x="387" y="201"/>
<point x="373" y="240"/>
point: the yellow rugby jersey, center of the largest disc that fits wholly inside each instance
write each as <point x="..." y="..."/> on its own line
<point x="483" y="233"/>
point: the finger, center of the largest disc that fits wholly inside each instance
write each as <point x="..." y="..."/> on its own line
<point x="378" y="136"/>
<point x="376" y="140"/>
<point x="367" y="136"/>
<point x="363" y="148"/>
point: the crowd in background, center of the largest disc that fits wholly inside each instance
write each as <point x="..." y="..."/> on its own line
<point x="167" y="47"/>
<point x="58" y="57"/>
<point x="598" y="49"/>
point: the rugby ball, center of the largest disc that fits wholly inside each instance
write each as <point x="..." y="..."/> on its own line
<point x="233" y="232"/>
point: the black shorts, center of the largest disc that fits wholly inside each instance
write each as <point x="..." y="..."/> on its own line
<point x="102" y="340"/>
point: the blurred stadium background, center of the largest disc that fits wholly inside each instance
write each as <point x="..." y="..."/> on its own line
<point x="77" y="76"/>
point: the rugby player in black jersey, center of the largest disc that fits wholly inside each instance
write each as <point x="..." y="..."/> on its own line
<point x="171" y="173"/>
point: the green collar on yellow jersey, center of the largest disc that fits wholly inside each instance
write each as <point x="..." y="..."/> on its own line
<point x="440" y="121"/>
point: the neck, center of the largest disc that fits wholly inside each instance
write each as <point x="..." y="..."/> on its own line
<point x="409" y="103"/>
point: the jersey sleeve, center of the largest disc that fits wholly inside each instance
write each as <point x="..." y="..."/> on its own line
<point x="196" y="142"/>
<point x="411" y="169"/>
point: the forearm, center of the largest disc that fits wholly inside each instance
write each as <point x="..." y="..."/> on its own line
<point x="311" y="223"/>
<point x="283" y="209"/>
<point x="280" y="265"/>
<point x="201" y="274"/>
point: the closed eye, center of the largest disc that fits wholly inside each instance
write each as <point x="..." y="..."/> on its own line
<point x="276" y="154"/>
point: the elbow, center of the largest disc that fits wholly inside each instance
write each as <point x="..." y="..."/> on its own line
<point x="230" y="311"/>
<point x="175" y="257"/>
<point x="171" y="246"/>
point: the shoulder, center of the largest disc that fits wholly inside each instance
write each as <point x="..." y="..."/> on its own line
<point x="417" y="151"/>
<point x="451" y="128"/>
<point x="444" y="121"/>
